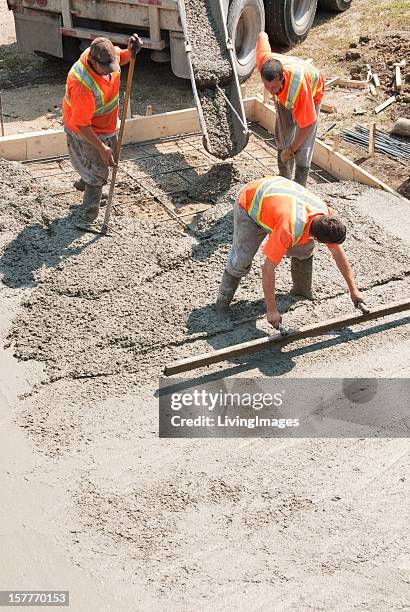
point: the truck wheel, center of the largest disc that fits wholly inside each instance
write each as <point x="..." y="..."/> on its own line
<point x="246" y="18"/>
<point x="335" y="5"/>
<point x="289" y="21"/>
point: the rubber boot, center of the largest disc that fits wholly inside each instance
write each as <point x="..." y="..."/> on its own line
<point x="285" y="170"/>
<point x="227" y="288"/>
<point x="91" y="202"/>
<point x="79" y="184"/>
<point x="301" y="270"/>
<point x="301" y="175"/>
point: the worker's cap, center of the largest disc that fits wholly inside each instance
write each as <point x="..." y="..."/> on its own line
<point x="103" y="51"/>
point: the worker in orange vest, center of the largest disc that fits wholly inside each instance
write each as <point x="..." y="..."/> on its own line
<point x="298" y="88"/>
<point x="293" y="218"/>
<point x="90" y="111"/>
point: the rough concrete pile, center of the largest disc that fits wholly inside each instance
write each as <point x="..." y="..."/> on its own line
<point x="101" y="306"/>
<point x="212" y="67"/>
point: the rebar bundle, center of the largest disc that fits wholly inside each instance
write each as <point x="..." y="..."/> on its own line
<point x="384" y="143"/>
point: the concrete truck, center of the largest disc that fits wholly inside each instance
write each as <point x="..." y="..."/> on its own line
<point x="63" y="28"/>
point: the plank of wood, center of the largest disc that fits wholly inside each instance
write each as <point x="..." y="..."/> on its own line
<point x="376" y="80"/>
<point x="385" y="104"/>
<point x="328" y="108"/>
<point x="372" y="138"/>
<point x="332" y="81"/>
<point x="354" y="84"/>
<point x="46" y="143"/>
<point x="261" y="344"/>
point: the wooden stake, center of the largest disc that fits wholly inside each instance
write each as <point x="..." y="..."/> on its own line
<point x="1" y="115"/>
<point x="261" y="344"/>
<point x="327" y="108"/>
<point x="385" y="104"/>
<point x="397" y="78"/>
<point x="372" y="136"/>
<point x="372" y="90"/>
<point x="376" y="80"/>
<point x="336" y="142"/>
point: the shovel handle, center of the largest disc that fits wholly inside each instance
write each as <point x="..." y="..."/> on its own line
<point x="119" y="143"/>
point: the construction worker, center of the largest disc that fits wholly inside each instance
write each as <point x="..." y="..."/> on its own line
<point x="299" y="88"/>
<point x="90" y="110"/>
<point x="293" y="218"/>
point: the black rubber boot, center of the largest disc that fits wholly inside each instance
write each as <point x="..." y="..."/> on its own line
<point x="285" y="170"/>
<point x="79" y="184"/>
<point x="301" y="175"/>
<point x="227" y="288"/>
<point x="302" y="272"/>
<point x="91" y="202"/>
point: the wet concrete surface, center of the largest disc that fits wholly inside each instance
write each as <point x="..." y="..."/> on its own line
<point x="103" y="304"/>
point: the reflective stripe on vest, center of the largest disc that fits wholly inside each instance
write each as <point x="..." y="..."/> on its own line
<point x="300" y="199"/>
<point x="297" y="69"/>
<point x="80" y="72"/>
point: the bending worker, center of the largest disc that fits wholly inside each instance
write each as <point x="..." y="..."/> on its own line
<point x="293" y="218"/>
<point x="90" y="110"/>
<point x="299" y="90"/>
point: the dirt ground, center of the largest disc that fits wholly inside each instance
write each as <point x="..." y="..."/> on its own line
<point x="92" y="500"/>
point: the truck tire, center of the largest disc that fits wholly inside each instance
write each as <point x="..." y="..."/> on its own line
<point x="289" y="21"/>
<point x="335" y="5"/>
<point x="246" y="18"/>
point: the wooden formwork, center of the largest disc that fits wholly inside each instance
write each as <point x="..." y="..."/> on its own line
<point x="49" y="143"/>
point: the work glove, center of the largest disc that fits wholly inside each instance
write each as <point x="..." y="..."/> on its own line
<point x="134" y="44"/>
<point x="286" y="155"/>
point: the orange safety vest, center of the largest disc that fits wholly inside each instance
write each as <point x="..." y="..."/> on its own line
<point x="105" y="92"/>
<point x="299" y="70"/>
<point x="276" y="200"/>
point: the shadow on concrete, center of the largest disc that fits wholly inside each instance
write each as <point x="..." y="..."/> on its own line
<point x="41" y="246"/>
<point x="276" y="361"/>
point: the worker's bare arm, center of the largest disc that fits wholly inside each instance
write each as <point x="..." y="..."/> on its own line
<point x="339" y="255"/>
<point x="268" y="284"/>
<point x="105" y="152"/>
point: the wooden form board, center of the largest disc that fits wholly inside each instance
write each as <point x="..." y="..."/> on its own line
<point x="48" y="143"/>
<point x="336" y="164"/>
